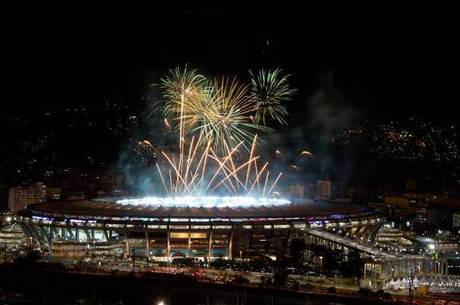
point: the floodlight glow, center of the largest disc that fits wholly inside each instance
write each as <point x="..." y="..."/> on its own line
<point x="204" y="201"/>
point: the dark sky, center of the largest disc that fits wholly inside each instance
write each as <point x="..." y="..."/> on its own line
<point x="348" y="64"/>
<point x="390" y="61"/>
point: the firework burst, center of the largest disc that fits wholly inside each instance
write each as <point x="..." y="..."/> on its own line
<point x="269" y="88"/>
<point x="180" y="88"/>
<point x="224" y="111"/>
<point x="221" y="116"/>
<point x="225" y="116"/>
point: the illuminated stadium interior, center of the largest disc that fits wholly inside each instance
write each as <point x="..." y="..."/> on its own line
<point x="204" y="201"/>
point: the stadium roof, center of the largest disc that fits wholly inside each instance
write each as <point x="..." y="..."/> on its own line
<point x="110" y="208"/>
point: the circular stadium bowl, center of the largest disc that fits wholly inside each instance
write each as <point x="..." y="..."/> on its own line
<point x="165" y="227"/>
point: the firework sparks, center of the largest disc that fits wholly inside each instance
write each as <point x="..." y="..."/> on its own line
<point x="278" y="153"/>
<point x="269" y="88"/>
<point x="221" y="116"/>
<point x="221" y="111"/>
<point x="146" y="153"/>
<point x="197" y="171"/>
<point x="180" y="87"/>
<point x="224" y="110"/>
<point x="225" y="115"/>
<point x="167" y="125"/>
<point x="305" y="153"/>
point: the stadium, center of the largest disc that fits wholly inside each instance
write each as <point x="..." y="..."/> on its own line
<point x="195" y="227"/>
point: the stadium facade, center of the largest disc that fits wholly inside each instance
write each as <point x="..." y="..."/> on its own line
<point x="163" y="231"/>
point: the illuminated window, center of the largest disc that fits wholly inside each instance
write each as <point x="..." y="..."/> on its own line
<point x="222" y="227"/>
<point x="204" y="227"/>
<point x="114" y="225"/>
<point x="185" y="235"/>
<point x="178" y="235"/>
<point x="198" y="235"/>
<point x="282" y="226"/>
<point x="300" y="225"/>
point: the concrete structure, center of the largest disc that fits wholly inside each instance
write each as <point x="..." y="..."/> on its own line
<point x="81" y="227"/>
<point x="401" y="206"/>
<point x="379" y="265"/>
<point x="22" y="196"/>
<point x="12" y="236"/>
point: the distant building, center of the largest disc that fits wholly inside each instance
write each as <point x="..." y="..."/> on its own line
<point x="21" y="196"/>
<point x="392" y="235"/>
<point x="310" y="190"/>
<point x="323" y="189"/>
<point x="400" y="206"/>
<point x="440" y="217"/>
<point x="297" y="190"/>
<point x="456" y="220"/>
<point x="326" y="189"/>
<point x="421" y="215"/>
<point x="358" y="193"/>
<point x="76" y="196"/>
<point x="53" y="193"/>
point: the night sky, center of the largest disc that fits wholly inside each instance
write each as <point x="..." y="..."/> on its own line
<point x="390" y="62"/>
<point x="385" y="64"/>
